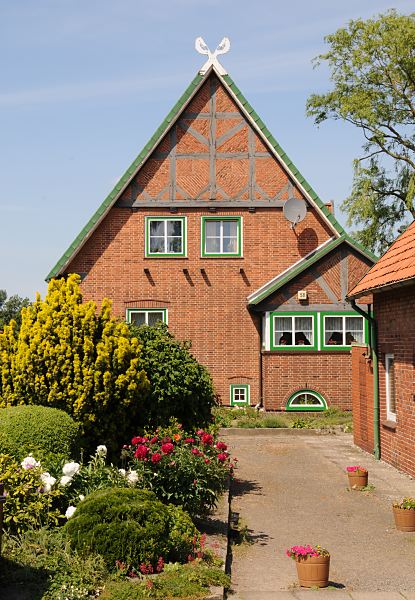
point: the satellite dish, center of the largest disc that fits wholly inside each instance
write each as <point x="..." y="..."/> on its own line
<point x="294" y="211"/>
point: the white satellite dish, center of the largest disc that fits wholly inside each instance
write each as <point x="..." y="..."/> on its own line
<point x="295" y="211"/>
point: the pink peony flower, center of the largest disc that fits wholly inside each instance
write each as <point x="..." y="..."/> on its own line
<point x="222" y="457"/>
<point x="137" y="440"/>
<point x="207" y="439"/>
<point x="189" y="440"/>
<point x="221" y="446"/>
<point x="167" y="448"/>
<point x="141" y="452"/>
<point x="156" y="457"/>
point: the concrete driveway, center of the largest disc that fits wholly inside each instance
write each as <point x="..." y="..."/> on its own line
<point x="292" y="489"/>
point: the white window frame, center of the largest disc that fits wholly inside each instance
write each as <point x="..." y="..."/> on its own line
<point x="146" y="311"/>
<point x="293" y="316"/>
<point x="165" y="254"/>
<point x="243" y="386"/>
<point x="343" y="332"/>
<point x="390" y="416"/>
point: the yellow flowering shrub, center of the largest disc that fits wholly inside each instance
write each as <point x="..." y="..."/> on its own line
<point x="70" y="356"/>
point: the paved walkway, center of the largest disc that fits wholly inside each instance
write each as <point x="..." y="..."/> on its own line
<point x="292" y="489"/>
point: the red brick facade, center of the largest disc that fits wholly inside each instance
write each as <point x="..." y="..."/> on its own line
<point x="394" y="311"/>
<point x="362" y="398"/>
<point x="206" y="298"/>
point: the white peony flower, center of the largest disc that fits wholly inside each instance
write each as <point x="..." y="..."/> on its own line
<point x="81" y="497"/>
<point x="132" y="477"/>
<point x="71" y="469"/>
<point x="65" y="480"/>
<point x="29" y="462"/>
<point x="70" y="512"/>
<point x="48" y="482"/>
<point x="122" y="472"/>
<point x="102" y="450"/>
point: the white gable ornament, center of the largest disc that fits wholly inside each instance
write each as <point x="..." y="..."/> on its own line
<point x="222" y="48"/>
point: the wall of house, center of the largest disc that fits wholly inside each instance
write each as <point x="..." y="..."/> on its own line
<point x="328" y="373"/>
<point x="394" y="311"/>
<point x="362" y="398"/>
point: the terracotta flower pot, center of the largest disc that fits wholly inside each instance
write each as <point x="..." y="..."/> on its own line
<point x="357" y="479"/>
<point x="313" y="571"/>
<point x="404" y="518"/>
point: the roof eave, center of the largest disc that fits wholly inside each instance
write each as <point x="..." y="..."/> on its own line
<point x="383" y="288"/>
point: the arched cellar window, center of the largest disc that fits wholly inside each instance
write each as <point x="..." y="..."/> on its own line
<point x="306" y="400"/>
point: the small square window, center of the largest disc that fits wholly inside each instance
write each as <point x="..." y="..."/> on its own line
<point x="146" y="316"/>
<point x="165" y="237"/>
<point x="222" y="236"/>
<point x="240" y="394"/>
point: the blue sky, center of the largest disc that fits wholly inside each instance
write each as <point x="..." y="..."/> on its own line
<point x="84" y="84"/>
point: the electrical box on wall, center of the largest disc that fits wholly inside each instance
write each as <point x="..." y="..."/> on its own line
<point x="302" y="295"/>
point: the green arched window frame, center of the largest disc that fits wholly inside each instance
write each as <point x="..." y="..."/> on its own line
<point x="293" y="406"/>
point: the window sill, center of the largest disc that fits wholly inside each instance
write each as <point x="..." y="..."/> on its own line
<point x="389" y="425"/>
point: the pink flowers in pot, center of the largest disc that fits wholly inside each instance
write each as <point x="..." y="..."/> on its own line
<point x="298" y="552"/>
<point x="356" y="468"/>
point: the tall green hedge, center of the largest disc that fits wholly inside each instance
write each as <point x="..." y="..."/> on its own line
<point x="47" y="433"/>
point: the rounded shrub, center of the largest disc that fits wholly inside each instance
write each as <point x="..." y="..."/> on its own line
<point x="47" y="433"/>
<point x="131" y="526"/>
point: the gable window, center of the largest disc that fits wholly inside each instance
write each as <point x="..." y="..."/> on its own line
<point x="240" y="394"/>
<point x="165" y="236"/>
<point x="342" y="330"/>
<point x="222" y="236"/>
<point x="306" y="400"/>
<point x="390" y="387"/>
<point x="293" y="331"/>
<point x="146" y="316"/>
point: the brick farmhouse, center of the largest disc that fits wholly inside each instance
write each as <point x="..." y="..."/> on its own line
<point x="391" y="429"/>
<point x="194" y="234"/>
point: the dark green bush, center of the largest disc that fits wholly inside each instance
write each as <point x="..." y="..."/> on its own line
<point x="179" y="385"/>
<point x="47" y="433"/>
<point x="131" y="526"/>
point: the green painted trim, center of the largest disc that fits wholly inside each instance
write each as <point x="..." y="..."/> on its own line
<point x="245" y="386"/>
<point x="148" y="254"/>
<point x="146" y="310"/>
<point x="205" y="254"/>
<point x="305" y="408"/>
<point x="312" y="348"/>
<point x="350" y="240"/>
<point x="350" y="313"/>
<point x="308" y="262"/>
<point x="129" y="174"/>
<point x="283" y="155"/>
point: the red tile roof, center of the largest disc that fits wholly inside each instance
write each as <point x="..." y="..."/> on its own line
<point x="396" y="266"/>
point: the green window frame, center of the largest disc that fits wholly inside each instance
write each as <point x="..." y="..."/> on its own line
<point x="165" y="236"/>
<point x="304" y="395"/>
<point x="240" y="394"/>
<point x="294" y="329"/>
<point x="339" y="334"/>
<point x="223" y="237"/>
<point x="149" y="314"/>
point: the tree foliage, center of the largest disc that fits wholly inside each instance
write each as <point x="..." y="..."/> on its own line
<point x="372" y="64"/>
<point x="10" y="308"/>
<point x="179" y="385"/>
<point x="69" y="356"/>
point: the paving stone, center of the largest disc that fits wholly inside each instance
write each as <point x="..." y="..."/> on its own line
<point x="255" y="595"/>
<point x="376" y="596"/>
<point x="322" y="594"/>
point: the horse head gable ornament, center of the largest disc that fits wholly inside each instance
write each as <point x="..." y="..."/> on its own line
<point x="203" y="48"/>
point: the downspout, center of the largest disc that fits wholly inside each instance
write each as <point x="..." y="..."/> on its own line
<point x="373" y="348"/>
<point x="261" y="385"/>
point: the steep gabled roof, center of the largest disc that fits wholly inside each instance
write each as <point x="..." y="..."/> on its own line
<point x="162" y="130"/>
<point x="396" y="267"/>
<point x="305" y="263"/>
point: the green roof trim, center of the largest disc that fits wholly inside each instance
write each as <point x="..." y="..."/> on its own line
<point x="161" y="130"/>
<point x="107" y="203"/>
<point x="308" y="262"/>
<point x="283" y="155"/>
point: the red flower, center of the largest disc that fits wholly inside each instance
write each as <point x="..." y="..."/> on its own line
<point x="154" y="440"/>
<point x="167" y="448"/>
<point x="195" y="451"/>
<point x="136" y="440"/>
<point x="156" y="457"/>
<point x="166" y="440"/>
<point x="160" y="565"/>
<point x="141" y="452"/>
<point x="200" y="432"/>
<point x="189" y="441"/>
<point x="222" y="457"/>
<point x="207" y="461"/>
<point x="207" y="439"/>
<point x="221" y="446"/>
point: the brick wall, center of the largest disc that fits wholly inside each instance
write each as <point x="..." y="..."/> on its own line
<point x="328" y="373"/>
<point x="394" y="311"/>
<point x="362" y="398"/>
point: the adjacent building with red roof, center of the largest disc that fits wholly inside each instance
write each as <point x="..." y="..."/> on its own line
<point x="392" y="282"/>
